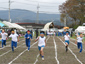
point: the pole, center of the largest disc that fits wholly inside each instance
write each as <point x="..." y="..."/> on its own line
<point x="9" y="10"/>
<point x="38" y="14"/>
<point x="65" y="22"/>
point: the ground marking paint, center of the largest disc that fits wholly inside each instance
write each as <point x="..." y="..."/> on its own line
<point x="71" y="52"/>
<point x="10" y="50"/>
<point x="21" y="54"/>
<point x="75" y="44"/>
<point x="55" y="51"/>
<point x="9" y="45"/>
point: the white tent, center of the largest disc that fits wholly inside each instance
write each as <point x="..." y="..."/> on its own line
<point x="80" y="29"/>
<point x="10" y="25"/>
<point x="47" y="26"/>
<point x="13" y="25"/>
<point x="18" y="26"/>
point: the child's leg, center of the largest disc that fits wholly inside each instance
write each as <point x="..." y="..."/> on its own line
<point x="28" y="45"/>
<point x="12" y="44"/>
<point x="81" y="47"/>
<point x="5" y="42"/>
<point x="78" y="45"/>
<point x="15" y="44"/>
<point x="42" y="53"/>
<point x="2" y="43"/>
<point x="67" y="43"/>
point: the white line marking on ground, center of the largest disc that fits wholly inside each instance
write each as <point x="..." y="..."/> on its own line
<point x="10" y="50"/>
<point x="9" y="45"/>
<point x="36" y="59"/>
<point x="75" y="44"/>
<point x="55" y="51"/>
<point x="72" y="52"/>
<point x="39" y="54"/>
<point x="21" y="54"/>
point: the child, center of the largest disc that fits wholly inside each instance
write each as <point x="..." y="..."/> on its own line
<point x="41" y="43"/>
<point x="79" y="42"/>
<point x="28" y="38"/>
<point x="14" y="40"/>
<point x="67" y="40"/>
<point x="4" y="36"/>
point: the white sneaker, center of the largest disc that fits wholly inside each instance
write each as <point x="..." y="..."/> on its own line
<point x="43" y="59"/>
<point x="28" y="50"/>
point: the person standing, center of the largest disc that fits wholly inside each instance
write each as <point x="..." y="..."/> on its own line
<point x="36" y="33"/>
<point x="28" y="38"/>
<point x="15" y="39"/>
<point x="4" y="37"/>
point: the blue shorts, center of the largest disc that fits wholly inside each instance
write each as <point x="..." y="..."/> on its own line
<point x="67" y="41"/>
<point x="39" y="47"/>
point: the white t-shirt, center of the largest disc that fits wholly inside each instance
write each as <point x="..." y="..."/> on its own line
<point x="14" y="37"/>
<point x="79" y="39"/>
<point x="41" y="41"/>
<point x="66" y="37"/>
<point x="4" y="35"/>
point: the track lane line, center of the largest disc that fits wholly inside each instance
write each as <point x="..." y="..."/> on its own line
<point x="55" y="46"/>
<point x="71" y="52"/>
<point x="21" y="54"/>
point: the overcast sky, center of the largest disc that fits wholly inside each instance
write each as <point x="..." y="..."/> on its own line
<point x="46" y="6"/>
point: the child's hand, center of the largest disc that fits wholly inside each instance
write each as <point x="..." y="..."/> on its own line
<point x="27" y="37"/>
<point x="18" y="40"/>
<point x="75" y="42"/>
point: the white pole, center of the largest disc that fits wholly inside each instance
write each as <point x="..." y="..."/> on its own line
<point x="9" y="11"/>
<point x="37" y="13"/>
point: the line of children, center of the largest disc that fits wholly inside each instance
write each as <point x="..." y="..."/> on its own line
<point x="41" y="43"/>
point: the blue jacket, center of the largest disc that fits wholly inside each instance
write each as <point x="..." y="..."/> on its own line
<point x="28" y="35"/>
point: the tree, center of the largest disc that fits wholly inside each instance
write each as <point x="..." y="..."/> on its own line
<point x="75" y="9"/>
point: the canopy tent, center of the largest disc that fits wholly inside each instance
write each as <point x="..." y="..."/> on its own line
<point x="2" y="24"/>
<point x="10" y="25"/>
<point x="48" y="26"/>
<point x="13" y="25"/>
<point x="80" y="29"/>
<point x="18" y="26"/>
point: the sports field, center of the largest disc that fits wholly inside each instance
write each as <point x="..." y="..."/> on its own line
<point x="54" y="53"/>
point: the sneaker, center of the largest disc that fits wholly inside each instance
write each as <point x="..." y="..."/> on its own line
<point x="43" y="59"/>
<point x="28" y="50"/>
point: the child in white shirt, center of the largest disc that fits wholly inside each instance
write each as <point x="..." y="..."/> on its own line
<point x="41" y="43"/>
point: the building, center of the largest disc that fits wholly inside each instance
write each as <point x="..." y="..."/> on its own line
<point x="35" y="26"/>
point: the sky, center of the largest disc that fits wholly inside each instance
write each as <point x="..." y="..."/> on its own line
<point x="45" y="6"/>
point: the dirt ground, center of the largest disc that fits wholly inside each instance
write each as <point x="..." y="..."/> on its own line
<point x="32" y="56"/>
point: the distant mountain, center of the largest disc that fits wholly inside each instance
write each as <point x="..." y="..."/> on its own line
<point x="18" y="15"/>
